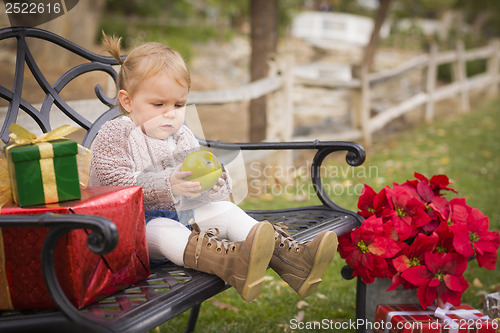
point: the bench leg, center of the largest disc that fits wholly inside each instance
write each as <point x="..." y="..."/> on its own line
<point x="361" y="304"/>
<point x="193" y="317"/>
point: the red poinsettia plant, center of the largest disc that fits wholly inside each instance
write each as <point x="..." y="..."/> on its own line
<point x="417" y="238"/>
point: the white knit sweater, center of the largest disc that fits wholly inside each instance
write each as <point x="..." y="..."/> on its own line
<point x="123" y="155"/>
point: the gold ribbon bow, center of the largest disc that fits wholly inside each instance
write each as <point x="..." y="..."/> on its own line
<point x="22" y="136"/>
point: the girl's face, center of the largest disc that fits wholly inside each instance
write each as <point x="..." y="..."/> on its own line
<point x="158" y="105"/>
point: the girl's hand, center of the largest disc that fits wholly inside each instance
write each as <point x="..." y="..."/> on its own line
<point x="180" y="186"/>
<point x="220" y="183"/>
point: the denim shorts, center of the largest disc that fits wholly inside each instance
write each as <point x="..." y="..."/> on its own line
<point x="183" y="217"/>
<point x="155" y="213"/>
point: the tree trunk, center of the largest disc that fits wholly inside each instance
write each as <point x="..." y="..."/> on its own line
<point x="370" y="49"/>
<point x="264" y="24"/>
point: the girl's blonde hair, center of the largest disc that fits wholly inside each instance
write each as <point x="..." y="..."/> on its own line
<point x="146" y="61"/>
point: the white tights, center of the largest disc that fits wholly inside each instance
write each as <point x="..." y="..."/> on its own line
<point x="168" y="238"/>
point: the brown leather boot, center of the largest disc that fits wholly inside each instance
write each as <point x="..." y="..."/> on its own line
<point x="301" y="264"/>
<point x="241" y="264"/>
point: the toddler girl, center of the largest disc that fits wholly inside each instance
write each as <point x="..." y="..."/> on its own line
<point x="146" y="147"/>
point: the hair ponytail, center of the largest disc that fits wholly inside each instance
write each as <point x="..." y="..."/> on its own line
<point x="112" y="45"/>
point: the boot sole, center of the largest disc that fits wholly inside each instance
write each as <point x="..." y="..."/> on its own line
<point x="324" y="257"/>
<point x="260" y="256"/>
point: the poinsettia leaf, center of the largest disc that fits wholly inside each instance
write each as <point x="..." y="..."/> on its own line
<point x="401" y="263"/>
<point x="354" y="259"/>
<point x="381" y="201"/>
<point x="426" y="296"/>
<point x="456" y="283"/>
<point x="372" y="226"/>
<point x="441" y="180"/>
<point x="434" y="282"/>
<point x="384" y="247"/>
<point x="417" y="275"/>
<point x="484" y="245"/>
<point x="487" y="260"/>
<point x="434" y="261"/>
<point x="366" y="197"/>
<point x="422" y="244"/>
<point x="477" y="221"/>
<point x="396" y="282"/>
<point x="365" y="275"/>
<point x="381" y="267"/>
<point x="453" y="263"/>
<point x="402" y="228"/>
<point x="459" y="210"/>
<point x="421" y="177"/>
<point x="420" y="218"/>
<point x="367" y="261"/>
<point x="378" y="246"/>
<point x="441" y="206"/>
<point x="425" y="191"/>
<point x="461" y="240"/>
<point x="452" y="297"/>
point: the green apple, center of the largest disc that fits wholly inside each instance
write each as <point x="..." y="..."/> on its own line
<point x="205" y="168"/>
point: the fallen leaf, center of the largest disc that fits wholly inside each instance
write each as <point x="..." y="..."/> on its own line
<point x="321" y="296"/>
<point x="278" y="289"/>
<point x="278" y="183"/>
<point x="482" y="293"/>
<point x="444" y="160"/>
<point x="347" y="183"/>
<point x="224" y="306"/>
<point x="486" y="154"/>
<point x="301" y="304"/>
<point x="477" y="283"/>
<point x="267" y="197"/>
<point x="300" y="316"/>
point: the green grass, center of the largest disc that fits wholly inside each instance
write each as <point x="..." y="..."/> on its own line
<point x="464" y="147"/>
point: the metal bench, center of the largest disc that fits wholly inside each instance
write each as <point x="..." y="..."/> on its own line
<point x="170" y="290"/>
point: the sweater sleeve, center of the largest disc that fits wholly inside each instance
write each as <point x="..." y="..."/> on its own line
<point x="112" y="164"/>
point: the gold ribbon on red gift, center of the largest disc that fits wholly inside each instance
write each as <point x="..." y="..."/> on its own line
<point x="5" y="299"/>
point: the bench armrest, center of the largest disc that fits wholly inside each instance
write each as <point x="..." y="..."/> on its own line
<point x="102" y="239"/>
<point x="355" y="156"/>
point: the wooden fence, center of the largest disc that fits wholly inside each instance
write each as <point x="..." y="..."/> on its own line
<point x="364" y="123"/>
<point x="460" y="87"/>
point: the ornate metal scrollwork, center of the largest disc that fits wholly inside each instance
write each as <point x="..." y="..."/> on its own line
<point x="52" y="92"/>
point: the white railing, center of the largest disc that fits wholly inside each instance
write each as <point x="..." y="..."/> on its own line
<point x="335" y="27"/>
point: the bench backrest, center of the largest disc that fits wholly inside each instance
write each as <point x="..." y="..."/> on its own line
<point x="90" y="62"/>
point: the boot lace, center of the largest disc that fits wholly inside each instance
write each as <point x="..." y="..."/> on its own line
<point x="281" y="233"/>
<point x="212" y="236"/>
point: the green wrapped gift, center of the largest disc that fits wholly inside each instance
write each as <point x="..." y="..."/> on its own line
<point x="44" y="172"/>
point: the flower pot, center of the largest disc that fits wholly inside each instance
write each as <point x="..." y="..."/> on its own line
<point x="376" y="294"/>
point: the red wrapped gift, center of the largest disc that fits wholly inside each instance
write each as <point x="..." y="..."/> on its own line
<point x="84" y="276"/>
<point x="410" y="318"/>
